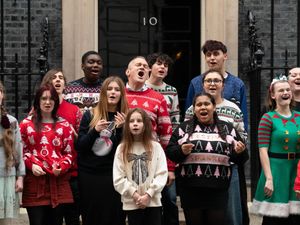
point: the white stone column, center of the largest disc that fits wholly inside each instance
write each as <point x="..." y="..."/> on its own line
<point x="79" y="34"/>
<point x="219" y="21"/>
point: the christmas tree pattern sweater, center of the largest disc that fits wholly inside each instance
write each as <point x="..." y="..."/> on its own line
<point x="208" y="165"/>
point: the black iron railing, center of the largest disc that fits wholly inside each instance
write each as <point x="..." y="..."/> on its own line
<point x="254" y="73"/>
<point x="13" y="73"/>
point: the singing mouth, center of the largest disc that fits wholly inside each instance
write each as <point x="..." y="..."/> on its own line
<point x="285" y="97"/>
<point x="141" y="73"/>
<point x="204" y="113"/>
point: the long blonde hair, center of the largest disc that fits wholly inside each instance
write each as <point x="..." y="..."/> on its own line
<point x="8" y="135"/>
<point x="128" y="140"/>
<point x="100" y="111"/>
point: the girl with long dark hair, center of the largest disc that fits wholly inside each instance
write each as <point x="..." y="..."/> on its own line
<point x="48" y="155"/>
<point x="140" y="170"/>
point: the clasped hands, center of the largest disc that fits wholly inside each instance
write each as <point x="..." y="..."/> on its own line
<point x="142" y="201"/>
<point x="38" y="171"/>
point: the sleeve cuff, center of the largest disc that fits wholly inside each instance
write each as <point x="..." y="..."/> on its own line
<point x="150" y="192"/>
<point x="131" y="191"/>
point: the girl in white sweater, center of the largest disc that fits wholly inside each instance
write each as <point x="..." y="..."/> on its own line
<point x="140" y="170"/>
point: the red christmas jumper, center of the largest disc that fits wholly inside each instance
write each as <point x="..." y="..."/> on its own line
<point x="51" y="147"/>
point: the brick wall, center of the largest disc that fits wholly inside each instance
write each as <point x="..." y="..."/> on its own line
<point x="285" y="35"/>
<point x="15" y="42"/>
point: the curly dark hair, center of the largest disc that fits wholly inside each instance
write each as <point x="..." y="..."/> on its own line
<point x="159" y="57"/>
<point x="213" y="45"/>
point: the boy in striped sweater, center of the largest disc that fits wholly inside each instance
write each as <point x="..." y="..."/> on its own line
<point x="160" y="64"/>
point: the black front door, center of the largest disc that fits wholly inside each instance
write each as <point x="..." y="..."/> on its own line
<point x="140" y="27"/>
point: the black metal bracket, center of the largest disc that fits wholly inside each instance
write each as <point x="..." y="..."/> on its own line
<point x="43" y="58"/>
<point x="255" y="46"/>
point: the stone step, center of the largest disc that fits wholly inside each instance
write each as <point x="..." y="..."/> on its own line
<point x="254" y="220"/>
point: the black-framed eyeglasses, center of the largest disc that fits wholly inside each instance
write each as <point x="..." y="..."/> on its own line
<point x="215" y="81"/>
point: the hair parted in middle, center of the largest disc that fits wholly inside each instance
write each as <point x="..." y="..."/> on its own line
<point x="7" y="137"/>
<point x="128" y="138"/>
<point x="217" y="121"/>
<point x="37" y="114"/>
<point x="100" y="111"/>
<point x="47" y="79"/>
<point x="212" y="71"/>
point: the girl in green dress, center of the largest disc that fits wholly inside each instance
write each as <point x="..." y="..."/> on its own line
<point x="279" y="151"/>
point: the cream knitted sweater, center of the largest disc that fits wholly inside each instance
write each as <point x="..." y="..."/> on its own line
<point x="141" y="173"/>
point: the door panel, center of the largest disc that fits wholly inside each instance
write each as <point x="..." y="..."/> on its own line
<point x="121" y="33"/>
<point x="178" y="35"/>
<point x="140" y="27"/>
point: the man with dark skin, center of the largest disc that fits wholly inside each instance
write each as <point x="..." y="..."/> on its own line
<point x="84" y="92"/>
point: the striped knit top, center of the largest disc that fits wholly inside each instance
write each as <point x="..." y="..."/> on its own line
<point x="278" y="133"/>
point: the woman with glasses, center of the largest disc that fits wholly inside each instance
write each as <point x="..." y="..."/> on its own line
<point x="213" y="83"/>
<point x="48" y="156"/>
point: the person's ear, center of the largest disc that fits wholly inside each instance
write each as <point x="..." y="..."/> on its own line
<point x="127" y="72"/>
<point x="225" y="56"/>
<point x="272" y="95"/>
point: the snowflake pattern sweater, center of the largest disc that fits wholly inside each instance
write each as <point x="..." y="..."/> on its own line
<point x="171" y="96"/>
<point x="81" y="94"/>
<point x="208" y="165"/>
<point x="155" y="105"/>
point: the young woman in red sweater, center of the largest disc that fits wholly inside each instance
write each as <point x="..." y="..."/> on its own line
<point x="48" y="155"/>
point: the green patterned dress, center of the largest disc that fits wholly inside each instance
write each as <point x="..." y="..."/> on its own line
<point x="280" y="135"/>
